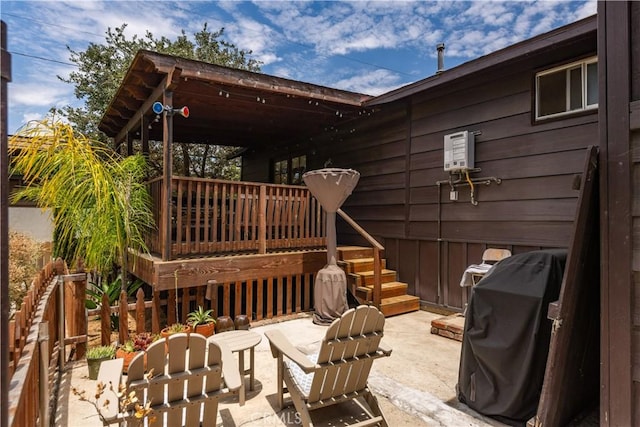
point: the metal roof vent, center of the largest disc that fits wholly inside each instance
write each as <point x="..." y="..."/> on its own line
<point x="440" y="48"/>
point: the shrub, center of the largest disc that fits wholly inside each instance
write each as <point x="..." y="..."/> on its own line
<point x="24" y="256"/>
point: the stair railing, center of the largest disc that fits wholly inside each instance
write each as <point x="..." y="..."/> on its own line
<point x="377" y="263"/>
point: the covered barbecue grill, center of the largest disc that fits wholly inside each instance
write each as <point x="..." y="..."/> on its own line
<point x="506" y="336"/>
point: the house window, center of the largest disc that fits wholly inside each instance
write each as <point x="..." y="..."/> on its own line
<point x="289" y="171"/>
<point x="567" y="89"/>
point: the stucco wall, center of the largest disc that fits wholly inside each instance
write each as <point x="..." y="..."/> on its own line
<point x="32" y="221"/>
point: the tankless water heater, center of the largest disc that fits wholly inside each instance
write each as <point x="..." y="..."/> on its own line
<point x="459" y="151"/>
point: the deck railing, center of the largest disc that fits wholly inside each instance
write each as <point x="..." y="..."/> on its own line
<point x="215" y="216"/>
<point x="378" y="250"/>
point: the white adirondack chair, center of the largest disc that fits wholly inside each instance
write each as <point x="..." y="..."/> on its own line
<point x="186" y="384"/>
<point x="339" y="371"/>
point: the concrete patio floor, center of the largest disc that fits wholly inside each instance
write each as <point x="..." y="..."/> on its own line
<point x="414" y="387"/>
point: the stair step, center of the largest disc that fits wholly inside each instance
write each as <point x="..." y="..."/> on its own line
<point x="366" y="278"/>
<point x="346" y="253"/>
<point x="389" y="289"/>
<point x="399" y="305"/>
<point x="360" y="264"/>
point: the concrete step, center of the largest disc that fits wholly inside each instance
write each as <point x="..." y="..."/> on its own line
<point x="399" y="305"/>
<point x="389" y="289"/>
<point x="360" y="264"/>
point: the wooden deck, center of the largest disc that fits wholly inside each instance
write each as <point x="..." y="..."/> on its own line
<point x="251" y="248"/>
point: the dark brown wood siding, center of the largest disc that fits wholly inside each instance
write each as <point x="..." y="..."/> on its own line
<point x="430" y="243"/>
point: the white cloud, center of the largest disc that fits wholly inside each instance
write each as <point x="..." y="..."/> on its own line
<point x="37" y="94"/>
<point x="373" y="83"/>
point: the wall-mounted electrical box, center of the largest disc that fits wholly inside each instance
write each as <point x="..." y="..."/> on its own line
<point x="459" y="151"/>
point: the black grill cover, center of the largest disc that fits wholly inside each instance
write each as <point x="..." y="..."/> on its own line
<point x="506" y="336"/>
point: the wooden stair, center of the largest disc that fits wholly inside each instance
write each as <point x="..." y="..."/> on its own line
<point x="357" y="262"/>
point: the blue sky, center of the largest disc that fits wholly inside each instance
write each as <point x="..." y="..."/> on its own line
<point x="363" y="46"/>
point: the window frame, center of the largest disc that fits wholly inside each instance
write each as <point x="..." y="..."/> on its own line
<point x="583" y="64"/>
<point x="288" y="161"/>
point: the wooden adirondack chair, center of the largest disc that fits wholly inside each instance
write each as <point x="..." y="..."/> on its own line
<point x="187" y="379"/>
<point x="340" y="369"/>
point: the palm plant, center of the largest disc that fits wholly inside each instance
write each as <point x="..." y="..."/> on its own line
<point x="101" y="207"/>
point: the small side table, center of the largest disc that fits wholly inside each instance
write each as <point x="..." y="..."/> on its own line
<point x="238" y="342"/>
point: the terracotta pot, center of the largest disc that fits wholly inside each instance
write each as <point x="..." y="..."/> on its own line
<point x="224" y="323"/>
<point x="242" y="322"/>
<point x="207" y="329"/>
<point x="165" y="332"/>
<point x="127" y="356"/>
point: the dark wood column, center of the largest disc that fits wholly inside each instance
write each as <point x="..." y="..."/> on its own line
<point x="616" y="392"/>
<point x="4" y="233"/>
<point x="167" y="165"/>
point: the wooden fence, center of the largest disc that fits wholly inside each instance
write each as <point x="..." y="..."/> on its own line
<point x="257" y="299"/>
<point x="34" y="342"/>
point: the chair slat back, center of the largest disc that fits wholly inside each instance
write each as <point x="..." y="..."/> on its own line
<point x="179" y="354"/>
<point x="493" y="255"/>
<point x="345" y="351"/>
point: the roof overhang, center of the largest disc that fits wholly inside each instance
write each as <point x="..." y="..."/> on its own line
<point x="227" y="106"/>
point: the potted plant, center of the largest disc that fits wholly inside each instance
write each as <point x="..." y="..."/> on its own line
<point x="174" y="329"/>
<point x="95" y="356"/>
<point x="202" y="321"/>
<point x="131" y="347"/>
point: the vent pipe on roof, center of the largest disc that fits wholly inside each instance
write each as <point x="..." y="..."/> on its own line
<point x="440" y="48"/>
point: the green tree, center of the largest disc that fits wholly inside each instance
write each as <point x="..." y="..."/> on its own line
<point x="100" y="204"/>
<point x="101" y="68"/>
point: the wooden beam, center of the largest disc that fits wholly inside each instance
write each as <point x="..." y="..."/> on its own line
<point x="197" y="272"/>
<point x="146" y="106"/>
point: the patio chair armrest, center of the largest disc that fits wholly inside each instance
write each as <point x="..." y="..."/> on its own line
<point x="110" y="374"/>
<point x="281" y="345"/>
<point x="230" y="369"/>
<point x="383" y="347"/>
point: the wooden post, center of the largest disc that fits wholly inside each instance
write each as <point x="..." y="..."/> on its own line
<point x="123" y="312"/>
<point x="262" y="218"/>
<point x="140" y="318"/>
<point x="81" y="316"/>
<point x="185" y="304"/>
<point x="43" y="343"/>
<point x="75" y="296"/>
<point x="377" y="280"/>
<point x="171" y="307"/>
<point x="105" y="320"/>
<point x="61" y="328"/>
<point x="5" y="63"/>
<point x="155" y="312"/>
<point x="167" y="174"/>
